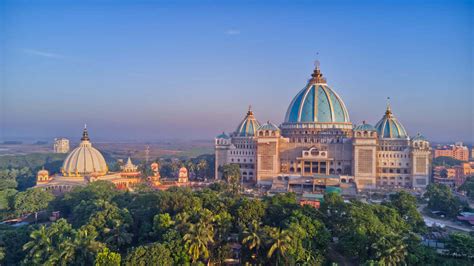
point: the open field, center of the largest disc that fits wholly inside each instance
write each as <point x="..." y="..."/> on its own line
<point x="121" y="150"/>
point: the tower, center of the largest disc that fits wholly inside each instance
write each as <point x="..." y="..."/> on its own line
<point x="222" y="146"/>
<point x="364" y="156"/>
<point x="268" y="156"/>
<point x="421" y="161"/>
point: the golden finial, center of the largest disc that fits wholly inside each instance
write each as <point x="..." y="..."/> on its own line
<point x="317" y="76"/>
<point x="250" y="112"/>
<point x="389" y="109"/>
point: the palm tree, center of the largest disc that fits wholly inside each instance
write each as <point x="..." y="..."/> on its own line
<point x="252" y="237"/>
<point x="198" y="238"/>
<point x="202" y="168"/>
<point x="40" y="246"/>
<point x="86" y="246"/>
<point x="390" y="250"/>
<point x="280" y="240"/>
<point x="118" y="236"/>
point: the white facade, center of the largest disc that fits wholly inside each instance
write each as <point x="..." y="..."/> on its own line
<point x="61" y="145"/>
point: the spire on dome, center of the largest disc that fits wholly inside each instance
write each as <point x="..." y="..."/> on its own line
<point x="317" y="76"/>
<point x="388" y="112"/>
<point x="250" y="112"/>
<point x="85" y="134"/>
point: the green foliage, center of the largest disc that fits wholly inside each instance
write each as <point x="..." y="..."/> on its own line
<point x="107" y="258"/>
<point x="405" y="204"/>
<point x="154" y="254"/>
<point x="441" y="198"/>
<point x="12" y="241"/>
<point x="460" y="245"/>
<point x="60" y="243"/>
<point x="231" y="174"/>
<point x="180" y="226"/>
<point x="445" y="161"/>
<point x="468" y="187"/>
<point x="32" y="200"/>
<point x="7" y="197"/>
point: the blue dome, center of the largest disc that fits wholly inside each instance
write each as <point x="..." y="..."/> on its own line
<point x="223" y="136"/>
<point x="365" y="127"/>
<point x="248" y="126"/>
<point x="389" y="128"/>
<point x="317" y="103"/>
<point x="419" y="137"/>
<point x="269" y="126"/>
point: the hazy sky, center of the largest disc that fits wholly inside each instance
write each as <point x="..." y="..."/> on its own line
<point x="149" y="70"/>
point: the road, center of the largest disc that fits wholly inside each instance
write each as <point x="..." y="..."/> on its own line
<point x="448" y="223"/>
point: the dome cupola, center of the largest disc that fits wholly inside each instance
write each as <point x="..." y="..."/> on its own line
<point x="317" y="103"/>
<point x="248" y="127"/>
<point x="84" y="160"/>
<point x="365" y="127"/>
<point x="389" y="127"/>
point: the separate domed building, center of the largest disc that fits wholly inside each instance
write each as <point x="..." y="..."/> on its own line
<point x="86" y="164"/>
<point x="239" y="147"/>
<point x="317" y="139"/>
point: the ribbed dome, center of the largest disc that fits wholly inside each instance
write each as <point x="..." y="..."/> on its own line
<point x="390" y="128"/>
<point x="365" y="127"/>
<point x="317" y="103"/>
<point x="84" y="160"/>
<point x="419" y="137"/>
<point x="269" y="126"/>
<point x="222" y="136"/>
<point x="248" y="126"/>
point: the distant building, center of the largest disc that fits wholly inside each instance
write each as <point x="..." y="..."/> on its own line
<point x="61" y="145"/>
<point x="183" y="175"/>
<point x="86" y="164"/>
<point x="318" y="138"/>
<point x="457" y="151"/>
<point x="463" y="171"/>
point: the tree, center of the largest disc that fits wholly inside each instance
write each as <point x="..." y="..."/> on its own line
<point x="197" y="239"/>
<point x="405" y="204"/>
<point x="107" y="258"/>
<point x="60" y="243"/>
<point x="250" y="210"/>
<point x="441" y="198"/>
<point x="459" y="244"/>
<point x="40" y="246"/>
<point x="7" y="197"/>
<point x="390" y="250"/>
<point x="279" y="242"/>
<point x="468" y="187"/>
<point x="252" y="237"/>
<point x="231" y="173"/>
<point x="154" y="254"/>
<point x="32" y="200"/>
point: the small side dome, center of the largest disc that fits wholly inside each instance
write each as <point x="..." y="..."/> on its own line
<point x="222" y="136"/>
<point x="390" y="128"/>
<point x="269" y="126"/>
<point x="419" y="137"/>
<point x="365" y="127"/>
<point x="248" y="126"/>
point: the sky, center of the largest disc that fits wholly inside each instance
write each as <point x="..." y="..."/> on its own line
<point x="154" y="70"/>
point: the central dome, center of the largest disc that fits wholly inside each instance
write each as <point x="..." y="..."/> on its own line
<point x="317" y="103"/>
<point x="84" y="160"/>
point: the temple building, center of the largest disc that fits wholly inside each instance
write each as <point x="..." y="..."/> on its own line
<point x="86" y="164"/>
<point x="318" y="139"/>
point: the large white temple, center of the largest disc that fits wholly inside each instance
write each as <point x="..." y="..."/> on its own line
<point x="317" y="138"/>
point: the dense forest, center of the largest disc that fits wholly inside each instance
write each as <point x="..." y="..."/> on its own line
<point x="103" y="226"/>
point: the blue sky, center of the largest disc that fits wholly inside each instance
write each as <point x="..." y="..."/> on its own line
<point x="150" y="70"/>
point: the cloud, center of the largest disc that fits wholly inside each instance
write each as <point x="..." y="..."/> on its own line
<point x="42" y="53"/>
<point x="232" y="32"/>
